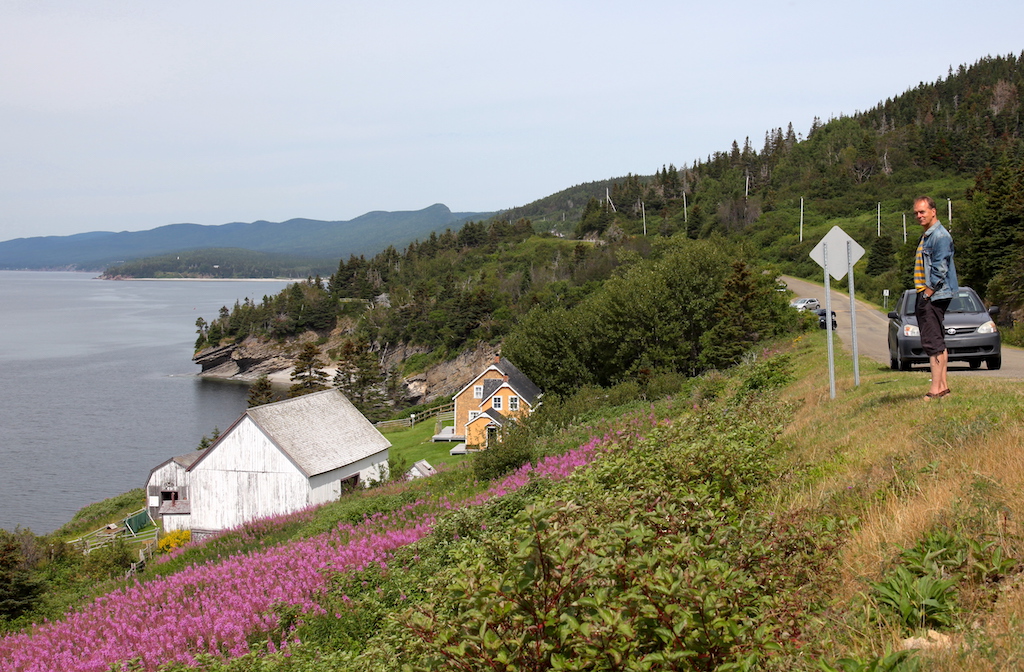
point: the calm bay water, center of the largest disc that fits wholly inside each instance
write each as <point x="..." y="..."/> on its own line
<point x="97" y="386"/>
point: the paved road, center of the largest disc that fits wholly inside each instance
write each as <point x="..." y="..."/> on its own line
<point x="873" y="331"/>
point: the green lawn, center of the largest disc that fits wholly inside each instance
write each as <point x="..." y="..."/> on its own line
<point x="413" y="444"/>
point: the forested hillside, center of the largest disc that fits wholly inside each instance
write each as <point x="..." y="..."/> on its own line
<point x="308" y="238"/>
<point x="611" y="302"/>
<point x="220" y="263"/>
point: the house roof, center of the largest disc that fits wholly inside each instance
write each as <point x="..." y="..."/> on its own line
<point x="320" y="432"/>
<point x="491" y="385"/>
<point x="175" y="506"/>
<point x="491" y="415"/>
<point x="518" y="380"/>
<point x="184" y="461"/>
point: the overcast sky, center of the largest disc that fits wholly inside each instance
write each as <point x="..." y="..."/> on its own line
<point x="127" y="115"/>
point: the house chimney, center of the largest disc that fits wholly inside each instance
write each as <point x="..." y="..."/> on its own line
<point x="497" y="359"/>
<point x="505" y="378"/>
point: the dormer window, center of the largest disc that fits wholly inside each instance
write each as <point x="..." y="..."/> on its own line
<point x="496" y="403"/>
<point x="478" y="391"/>
<point x="513" y="403"/>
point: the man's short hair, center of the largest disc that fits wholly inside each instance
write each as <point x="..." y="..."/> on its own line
<point x="927" y="199"/>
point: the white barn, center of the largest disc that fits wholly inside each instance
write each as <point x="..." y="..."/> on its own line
<point x="279" y="458"/>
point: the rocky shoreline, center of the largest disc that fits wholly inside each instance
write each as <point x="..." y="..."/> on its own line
<point x="252" y="358"/>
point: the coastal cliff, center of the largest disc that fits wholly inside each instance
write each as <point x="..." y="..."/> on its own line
<point x="246" y="361"/>
<point x="252" y="358"/>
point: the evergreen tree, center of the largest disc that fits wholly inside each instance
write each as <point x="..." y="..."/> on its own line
<point x="261" y="392"/>
<point x="737" y="321"/>
<point x="359" y="378"/>
<point x="201" y="331"/>
<point x="307" y="376"/>
<point x="882" y="257"/>
<point x="208" y="441"/>
<point x="19" y="589"/>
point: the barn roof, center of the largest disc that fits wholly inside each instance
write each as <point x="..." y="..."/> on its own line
<point x="320" y="432"/>
<point x="187" y="459"/>
<point x="184" y="461"/>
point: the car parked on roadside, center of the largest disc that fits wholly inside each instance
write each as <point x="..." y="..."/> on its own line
<point x="971" y="334"/>
<point x="805" y="304"/>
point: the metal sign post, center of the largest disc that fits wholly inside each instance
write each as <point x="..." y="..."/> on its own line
<point x="828" y="325"/>
<point x="853" y="313"/>
<point x="838" y="239"/>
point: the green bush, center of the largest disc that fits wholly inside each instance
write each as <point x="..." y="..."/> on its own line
<point x="110" y="561"/>
<point x="505" y="456"/>
<point x="767" y="374"/>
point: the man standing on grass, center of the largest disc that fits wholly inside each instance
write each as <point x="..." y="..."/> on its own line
<point x="935" y="282"/>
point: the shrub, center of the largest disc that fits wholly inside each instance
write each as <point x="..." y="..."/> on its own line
<point x="109" y="561"/>
<point x="173" y="540"/>
<point x="513" y="451"/>
<point x="766" y="375"/>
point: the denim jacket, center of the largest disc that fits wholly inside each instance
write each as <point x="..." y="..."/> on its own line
<point x="939" y="269"/>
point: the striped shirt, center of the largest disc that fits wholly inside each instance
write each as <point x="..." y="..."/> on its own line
<point x="919" y="268"/>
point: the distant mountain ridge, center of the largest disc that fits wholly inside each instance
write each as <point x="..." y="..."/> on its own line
<point x="367" y="234"/>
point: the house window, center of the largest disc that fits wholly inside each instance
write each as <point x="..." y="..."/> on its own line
<point x="513" y="403"/>
<point x="473" y="415"/>
<point x="478" y="391"/>
<point x="496" y="403"/>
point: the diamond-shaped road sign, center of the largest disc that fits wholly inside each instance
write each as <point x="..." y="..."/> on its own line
<point x="838" y="264"/>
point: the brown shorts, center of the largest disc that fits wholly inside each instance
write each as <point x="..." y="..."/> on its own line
<point x="929" y="322"/>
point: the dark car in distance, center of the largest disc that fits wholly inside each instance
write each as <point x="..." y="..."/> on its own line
<point x="971" y="334"/>
<point x="820" y="312"/>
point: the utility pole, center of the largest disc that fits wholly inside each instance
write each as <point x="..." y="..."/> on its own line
<point x="801" y="219"/>
<point x="904" y="228"/>
<point x="879" y="216"/>
<point x="949" y="218"/>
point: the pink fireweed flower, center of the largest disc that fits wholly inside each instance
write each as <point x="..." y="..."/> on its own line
<point x="217" y="608"/>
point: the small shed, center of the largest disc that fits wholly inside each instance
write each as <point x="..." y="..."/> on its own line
<point x="421" y="469"/>
<point x="167" y="487"/>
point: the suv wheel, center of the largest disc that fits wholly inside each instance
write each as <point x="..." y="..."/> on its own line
<point x="994" y="362"/>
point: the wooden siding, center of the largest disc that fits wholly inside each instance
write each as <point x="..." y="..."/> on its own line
<point x="176" y="522"/>
<point x="245" y="478"/>
<point x="168" y="476"/>
<point x="476" y="430"/>
<point x="464" y="402"/>
<point x="326" y="487"/>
